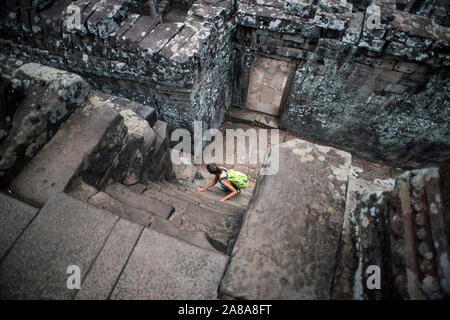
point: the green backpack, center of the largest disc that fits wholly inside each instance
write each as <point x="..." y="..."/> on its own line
<point x="237" y="178"/>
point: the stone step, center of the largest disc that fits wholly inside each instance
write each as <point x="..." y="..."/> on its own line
<point x="223" y="207"/>
<point x="107" y="18"/>
<point x="221" y="228"/>
<point x="185" y="173"/>
<point x="170" y="50"/>
<point x="110" y="262"/>
<point x="166" y="185"/>
<point x="152" y="185"/>
<point x="159" y="37"/>
<point x="162" y="267"/>
<point x="15" y="216"/>
<point x="66" y="232"/>
<point x="125" y="25"/>
<point x="105" y="201"/>
<point x="188" y="213"/>
<point x="175" y="193"/>
<point x="88" y="141"/>
<point x="117" y="258"/>
<point x="80" y="190"/>
<point x="206" y="199"/>
<point x="141" y="202"/>
<point x="218" y="193"/>
<point x="197" y="238"/>
<point x="137" y="188"/>
<point x="84" y="192"/>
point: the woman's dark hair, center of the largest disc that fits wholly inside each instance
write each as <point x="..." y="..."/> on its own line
<point x="212" y="168"/>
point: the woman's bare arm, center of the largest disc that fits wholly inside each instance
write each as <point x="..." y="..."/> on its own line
<point x="233" y="192"/>
<point x="212" y="183"/>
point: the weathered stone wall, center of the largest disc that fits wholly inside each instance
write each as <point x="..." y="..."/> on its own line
<point x="380" y="93"/>
<point x="181" y="69"/>
<point x="369" y="243"/>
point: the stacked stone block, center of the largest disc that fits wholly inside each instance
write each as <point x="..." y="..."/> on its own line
<point x="419" y="240"/>
<point x="379" y="56"/>
<point x="403" y="232"/>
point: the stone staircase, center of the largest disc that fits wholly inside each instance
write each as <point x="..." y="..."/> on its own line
<point x="320" y="227"/>
<point x="110" y="235"/>
<point x="164" y="240"/>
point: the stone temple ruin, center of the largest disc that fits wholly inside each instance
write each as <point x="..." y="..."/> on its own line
<point x="91" y="90"/>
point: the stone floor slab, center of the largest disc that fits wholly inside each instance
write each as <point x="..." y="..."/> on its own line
<point x="267" y="81"/>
